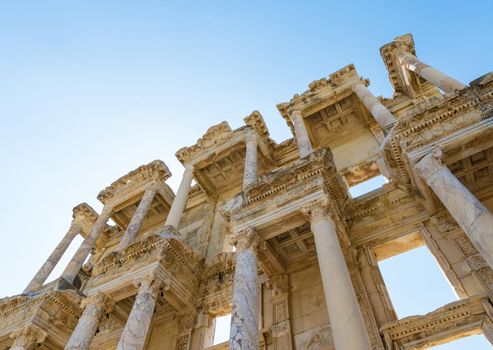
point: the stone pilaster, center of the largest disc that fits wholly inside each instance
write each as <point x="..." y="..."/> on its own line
<point x="432" y="75"/>
<point x="471" y="215"/>
<point x="244" y="315"/>
<point x="250" y="172"/>
<point x="302" y="138"/>
<point x="186" y="322"/>
<point x="28" y="336"/>
<point x="81" y="254"/>
<point x="180" y="200"/>
<point x="95" y="306"/>
<point x="381" y="114"/>
<point x="138" y="217"/>
<point x="346" y="321"/>
<point x="281" y="324"/>
<point x="50" y="263"/>
<point x="135" y="332"/>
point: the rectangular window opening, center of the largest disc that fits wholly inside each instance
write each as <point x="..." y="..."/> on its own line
<point x="414" y="280"/>
<point x="222" y="325"/>
<point x="367" y="186"/>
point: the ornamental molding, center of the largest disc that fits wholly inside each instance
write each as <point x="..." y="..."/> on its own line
<point x="153" y="171"/>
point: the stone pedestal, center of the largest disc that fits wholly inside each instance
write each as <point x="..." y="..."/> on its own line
<point x="434" y="76"/>
<point x="471" y="215"/>
<point x="45" y="270"/>
<point x="244" y="315"/>
<point x="348" y="328"/>
<point x="381" y="114"/>
<point x="27" y="337"/>
<point x="95" y="306"/>
<point x="81" y="254"/>
<point x="138" y="217"/>
<point x="250" y="173"/>
<point x="135" y="332"/>
<point x="180" y="200"/>
<point x="302" y="138"/>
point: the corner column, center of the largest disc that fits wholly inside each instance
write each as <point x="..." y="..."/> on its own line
<point x="180" y="200"/>
<point x="94" y="306"/>
<point x="432" y="75"/>
<point x="250" y="173"/>
<point x="138" y="217"/>
<point x="81" y="254"/>
<point x="26" y="337"/>
<point x="244" y="315"/>
<point x="302" y="138"/>
<point x="50" y="263"/>
<point x="381" y="114"/>
<point x="348" y="328"/>
<point x="135" y="332"/>
<point x="471" y="215"/>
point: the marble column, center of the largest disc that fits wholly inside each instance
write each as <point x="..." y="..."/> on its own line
<point x="180" y="200"/>
<point x="95" y="306"/>
<point x="138" y="217"/>
<point x="348" y="328"/>
<point x="244" y="315"/>
<point x="437" y="78"/>
<point x="471" y="215"/>
<point x="302" y="138"/>
<point x="81" y="254"/>
<point x="381" y="114"/>
<point x="135" y="332"/>
<point x="250" y="172"/>
<point x="48" y="266"/>
<point x="27" y="337"/>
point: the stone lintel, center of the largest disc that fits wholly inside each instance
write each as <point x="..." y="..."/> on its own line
<point x="449" y="322"/>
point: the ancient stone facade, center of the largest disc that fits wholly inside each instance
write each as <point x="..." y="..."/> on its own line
<point x="270" y="233"/>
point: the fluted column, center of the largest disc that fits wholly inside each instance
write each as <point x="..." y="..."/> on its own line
<point x="471" y="215"/>
<point x="250" y="172"/>
<point x="94" y="306"/>
<point x="346" y="322"/>
<point x="244" y="315"/>
<point x="81" y="254"/>
<point x="381" y="114"/>
<point x="432" y="75"/>
<point x="135" y="332"/>
<point x="50" y="263"/>
<point x="302" y="138"/>
<point x="180" y="200"/>
<point x="138" y="217"/>
<point x="27" y="337"/>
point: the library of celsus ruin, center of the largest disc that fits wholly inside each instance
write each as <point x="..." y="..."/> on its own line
<point x="269" y="232"/>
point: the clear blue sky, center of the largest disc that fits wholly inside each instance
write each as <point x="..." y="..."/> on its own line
<point x="91" y="89"/>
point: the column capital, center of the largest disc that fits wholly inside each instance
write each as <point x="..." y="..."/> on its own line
<point x="279" y="284"/>
<point x="319" y="209"/>
<point x="100" y="300"/>
<point x="29" y="335"/>
<point x="245" y="239"/>
<point x="296" y="113"/>
<point x="152" y="284"/>
<point x="189" y="168"/>
<point x="251" y="136"/>
<point x="430" y="164"/>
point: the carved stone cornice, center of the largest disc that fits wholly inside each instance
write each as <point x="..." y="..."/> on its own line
<point x="316" y="171"/>
<point x="54" y="308"/>
<point x="215" y="135"/>
<point x="155" y="170"/>
<point x="433" y="120"/>
<point x="28" y="335"/>
<point x="84" y="210"/>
